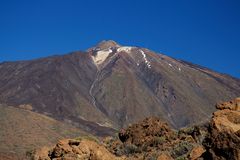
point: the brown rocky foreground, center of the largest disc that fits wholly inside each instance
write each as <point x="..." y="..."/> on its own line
<point x="154" y="140"/>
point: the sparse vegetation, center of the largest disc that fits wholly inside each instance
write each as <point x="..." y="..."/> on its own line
<point x="181" y="158"/>
<point x="119" y="151"/>
<point x="152" y="139"/>
<point x="181" y="149"/>
<point x="131" y="149"/>
<point x="159" y="140"/>
<point x="89" y="137"/>
<point x="153" y="156"/>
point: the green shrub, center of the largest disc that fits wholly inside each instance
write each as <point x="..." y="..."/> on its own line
<point x="159" y="140"/>
<point x="181" y="150"/>
<point x="119" y="151"/>
<point x="180" y="158"/>
<point x="131" y="149"/>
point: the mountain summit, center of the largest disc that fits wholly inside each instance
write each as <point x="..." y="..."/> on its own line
<point x="110" y="86"/>
<point x="107" y="44"/>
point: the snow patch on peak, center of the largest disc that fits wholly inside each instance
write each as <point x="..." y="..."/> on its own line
<point x="144" y="55"/>
<point x="101" y="56"/>
<point x="124" y="49"/>
<point x="145" y="59"/>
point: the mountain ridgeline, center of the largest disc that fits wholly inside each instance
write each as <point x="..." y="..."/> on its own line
<point x="110" y="86"/>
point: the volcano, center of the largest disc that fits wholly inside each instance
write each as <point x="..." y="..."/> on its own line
<point x="110" y="86"/>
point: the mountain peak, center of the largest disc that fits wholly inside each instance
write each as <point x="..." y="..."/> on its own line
<point x="107" y="44"/>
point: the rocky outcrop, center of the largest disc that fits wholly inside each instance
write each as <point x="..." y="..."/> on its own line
<point x="226" y="121"/>
<point x="154" y="139"/>
<point x="232" y="105"/>
<point x="146" y="132"/>
<point x="196" y="152"/>
<point x="71" y="149"/>
<point x="223" y="141"/>
<point x="218" y="139"/>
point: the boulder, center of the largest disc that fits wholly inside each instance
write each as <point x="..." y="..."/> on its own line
<point x="196" y="152"/>
<point x="70" y="149"/>
<point x="233" y="105"/>
<point x="223" y="141"/>
<point x="146" y="132"/>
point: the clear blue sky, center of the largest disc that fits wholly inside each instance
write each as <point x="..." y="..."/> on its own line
<point x="205" y="32"/>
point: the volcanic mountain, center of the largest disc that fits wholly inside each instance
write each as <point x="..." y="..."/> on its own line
<point x="110" y="86"/>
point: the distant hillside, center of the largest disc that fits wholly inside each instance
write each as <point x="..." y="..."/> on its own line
<point x="22" y="130"/>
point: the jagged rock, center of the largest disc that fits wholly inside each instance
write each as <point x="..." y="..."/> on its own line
<point x="228" y="118"/>
<point x="41" y="154"/>
<point x="164" y="156"/>
<point x="76" y="150"/>
<point x="223" y="141"/>
<point x="153" y="139"/>
<point x="232" y="105"/>
<point x="226" y="121"/>
<point x="145" y="132"/>
<point x="62" y="147"/>
<point x="196" y="152"/>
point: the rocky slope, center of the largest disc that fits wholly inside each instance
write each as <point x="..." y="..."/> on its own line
<point x="151" y="138"/>
<point x="22" y="130"/>
<point x="110" y="86"/>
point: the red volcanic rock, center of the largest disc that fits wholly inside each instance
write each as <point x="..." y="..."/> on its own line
<point x="70" y="149"/>
<point x="145" y="132"/>
<point x="232" y="105"/>
<point x="224" y="140"/>
<point x="153" y="139"/>
<point x="164" y="156"/>
<point x="196" y="152"/>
